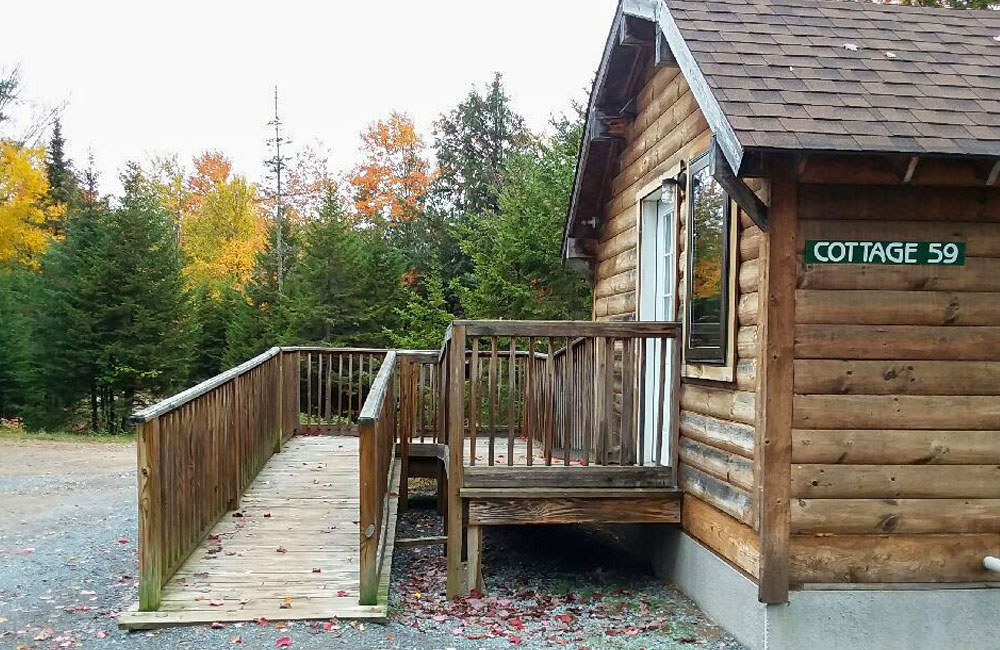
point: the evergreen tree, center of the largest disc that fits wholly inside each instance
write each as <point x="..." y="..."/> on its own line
<point x="15" y="342"/>
<point x="63" y="189"/>
<point x="518" y="272"/>
<point x="425" y="318"/>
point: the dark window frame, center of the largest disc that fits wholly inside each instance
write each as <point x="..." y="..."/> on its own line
<point x="708" y="355"/>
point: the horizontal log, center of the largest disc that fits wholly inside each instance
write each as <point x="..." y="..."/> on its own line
<point x="500" y="512"/>
<point x="873" y="516"/>
<point x="981" y="239"/>
<point x="721" y="464"/>
<point x="897" y="342"/>
<point x="895" y="307"/>
<point x="746" y="374"/>
<point x="721" y="403"/>
<point x="683" y="129"/>
<point x="625" y="261"/>
<point x="620" y="283"/>
<point x="749" y="247"/>
<point x="864" y="377"/>
<point x="720" y="494"/>
<point x="895" y="481"/>
<point x="978" y="274"/>
<point x="895" y="412"/>
<point x="725" y="535"/>
<point x="541" y="476"/>
<point x="724" y="434"/>
<point x="747" y="309"/>
<point x="749" y="276"/>
<point x="618" y="244"/>
<point x="746" y="342"/>
<point x="892" y="558"/>
<point x="903" y="447"/>
<point x="902" y="202"/>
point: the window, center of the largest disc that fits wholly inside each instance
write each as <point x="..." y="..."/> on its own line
<point x="707" y="298"/>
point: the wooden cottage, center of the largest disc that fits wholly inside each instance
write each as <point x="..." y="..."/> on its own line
<point x="810" y="189"/>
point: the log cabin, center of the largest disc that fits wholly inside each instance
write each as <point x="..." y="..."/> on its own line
<point x="810" y="189"/>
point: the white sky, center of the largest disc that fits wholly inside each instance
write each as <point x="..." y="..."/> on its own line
<point x="187" y="76"/>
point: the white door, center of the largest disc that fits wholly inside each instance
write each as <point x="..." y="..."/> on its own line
<point x="657" y="287"/>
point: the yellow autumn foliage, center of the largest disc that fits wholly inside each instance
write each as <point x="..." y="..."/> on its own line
<point x="24" y="217"/>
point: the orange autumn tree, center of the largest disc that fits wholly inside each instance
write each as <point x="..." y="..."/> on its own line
<point x="222" y="227"/>
<point x="390" y="186"/>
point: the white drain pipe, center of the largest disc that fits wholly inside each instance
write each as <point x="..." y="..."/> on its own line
<point x="992" y="563"/>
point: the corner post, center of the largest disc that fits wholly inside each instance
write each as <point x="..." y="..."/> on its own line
<point x="773" y="443"/>
<point x="280" y="428"/>
<point x="368" y="524"/>
<point x="150" y="515"/>
<point x="406" y="425"/>
<point x="456" y="438"/>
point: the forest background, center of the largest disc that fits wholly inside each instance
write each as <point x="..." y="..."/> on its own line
<point x="111" y="302"/>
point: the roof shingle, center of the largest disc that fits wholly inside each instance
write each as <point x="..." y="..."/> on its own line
<point x="849" y="76"/>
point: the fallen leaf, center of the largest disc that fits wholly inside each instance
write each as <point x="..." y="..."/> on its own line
<point x="218" y="626"/>
<point x="286" y="603"/>
<point x="282" y="549"/>
<point x="101" y="634"/>
<point x="215" y="603"/>
<point x="283" y="642"/>
<point x="236" y="639"/>
<point x="123" y="540"/>
<point x="341" y="593"/>
<point x="25" y="551"/>
<point x="260" y="621"/>
<point x="317" y="570"/>
<point x="267" y="515"/>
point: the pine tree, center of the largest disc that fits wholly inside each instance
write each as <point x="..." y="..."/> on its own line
<point x="63" y="189"/>
<point x="15" y="342"/>
<point x="425" y="318"/>
<point x="518" y="272"/>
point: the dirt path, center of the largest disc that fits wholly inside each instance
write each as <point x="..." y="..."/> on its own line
<point x="68" y="565"/>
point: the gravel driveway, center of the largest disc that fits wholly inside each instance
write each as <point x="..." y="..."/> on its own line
<point x="68" y="566"/>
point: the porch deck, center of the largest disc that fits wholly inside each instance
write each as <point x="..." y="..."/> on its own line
<point x="290" y="552"/>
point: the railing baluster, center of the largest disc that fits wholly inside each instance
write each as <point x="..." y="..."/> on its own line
<point x="628" y="402"/>
<point x="491" y="398"/>
<point x="511" y="367"/>
<point x="473" y="401"/>
<point x="608" y="428"/>
<point x="661" y="390"/>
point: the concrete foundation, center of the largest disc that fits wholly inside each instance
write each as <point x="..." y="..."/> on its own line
<point x="832" y="619"/>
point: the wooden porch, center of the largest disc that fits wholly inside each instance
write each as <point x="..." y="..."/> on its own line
<point x="272" y="490"/>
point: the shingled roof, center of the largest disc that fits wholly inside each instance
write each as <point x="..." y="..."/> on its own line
<point x="846" y="76"/>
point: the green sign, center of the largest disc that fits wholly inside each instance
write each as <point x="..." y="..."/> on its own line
<point x="936" y="253"/>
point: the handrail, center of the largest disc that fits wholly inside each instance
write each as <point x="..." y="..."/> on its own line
<point x="569" y="328"/>
<point x="198" y="390"/>
<point x="377" y="445"/>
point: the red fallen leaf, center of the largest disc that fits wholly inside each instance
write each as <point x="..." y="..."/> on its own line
<point x="260" y="621"/>
<point x="341" y="593"/>
<point x="317" y="571"/>
<point x="213" y="538"/>
<point x="215" y="603"/>
<point x="328" y="626"/>
<point x="101" y="634"/>
<point x="218" y="626"/>
<point x="565" y="618"/>
<point x="25" y="551"/>
<point x="283" y="642"/>
<point x="516" y="624"/>
<point x="514" y="639"/>
<point x="123" y="540"/>
<point x="267" y="515"/>
<point x="282" y="549"/>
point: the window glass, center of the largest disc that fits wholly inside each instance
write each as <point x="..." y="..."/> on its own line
<point x="708" y="266"/>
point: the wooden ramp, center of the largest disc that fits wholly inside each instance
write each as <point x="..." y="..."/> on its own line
<point x="289" y="553"/>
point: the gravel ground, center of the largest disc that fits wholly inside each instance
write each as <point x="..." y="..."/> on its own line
<point x="68" y="565"/>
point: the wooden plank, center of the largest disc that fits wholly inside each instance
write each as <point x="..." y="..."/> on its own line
<point x="474" y="401"/>
<point x="474" y="568"/>
<point x="567" y="477"/>
<point x="873" y="516"/>
<point x="730" y="538"/>
<point x="511" y="391"/>
<point x="773" y="448"/>
<point x="919" y="377"/>
<point x="562" y="510"/>
<point x="456" y="427"/>
<point x="981" y="239"/>
<point x="895" y="446"/>
<point x="411" y="542"/>
<point x="566" y="328"/>
<point x="885" y="307"/>
<point x="721" y="403"/>
<point x="892" y="342"/>
<point x="895" y="481"/>
<point x="979" y="274"/>
<point x="896" y="412"/>
<point x="575" y="492"/>
<point x="151" y="558"/>
<point x="892" y="558"/>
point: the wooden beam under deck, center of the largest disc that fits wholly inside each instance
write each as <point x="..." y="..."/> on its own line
<point x="664" y="508"/>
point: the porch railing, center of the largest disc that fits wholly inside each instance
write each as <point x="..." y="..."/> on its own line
<point x="335" y="382"/>
<point x="567" y="393"/>
<point x="377" y="433"/>
<point x="198" y="451"/>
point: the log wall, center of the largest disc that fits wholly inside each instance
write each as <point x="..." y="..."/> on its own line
<point x="895" y="471"/>
<point x="717" y="418"/>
